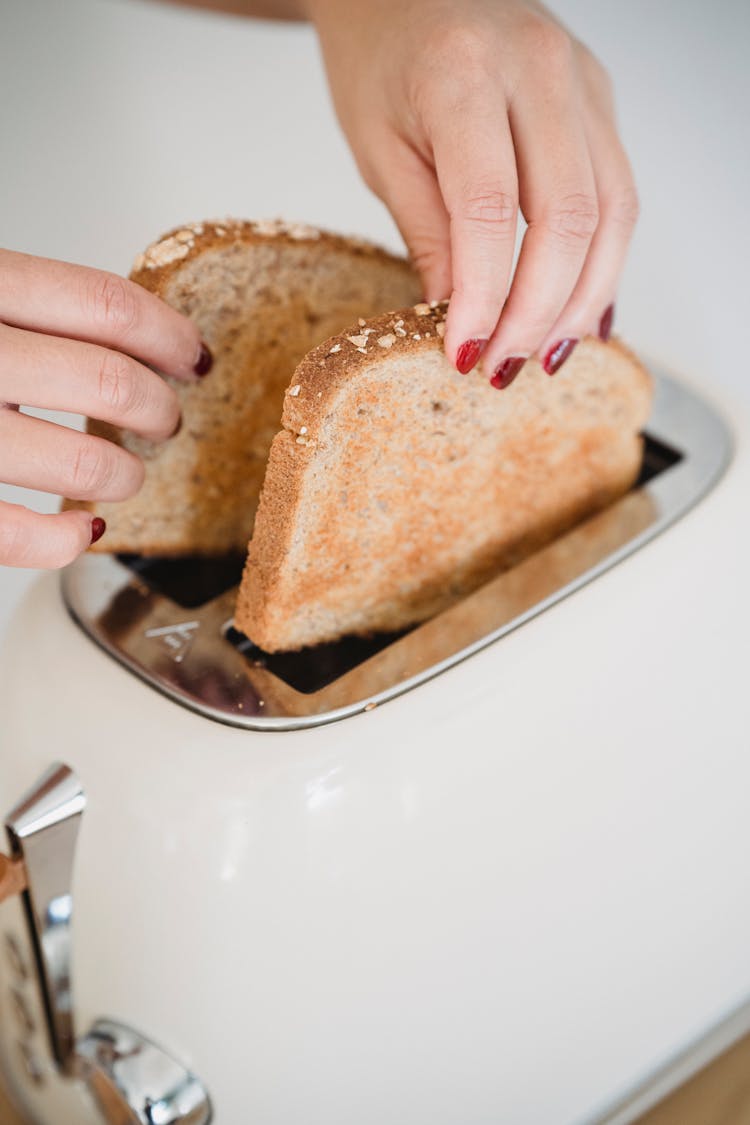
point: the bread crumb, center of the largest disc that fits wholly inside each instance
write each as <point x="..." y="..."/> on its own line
<point x="416" y="336"/>
<point x="335" y="348"/>
<point x="387" y="341"/>
<point x="295" y="390"/>
<point x="361" y="322"/>
<point x="140" y="262"/>
<point x="362" y="350"/>
<point x="303" y="429"/>
<point x="358" y="341"/>
<point x="422" y="309"/>
<point x="301" y="231"/>
<point x="165" y="252"/>
<point x="185" y="235"/>
<point x="400" y="331"/>
<point x="370" y="706"/>
<point x="440" y="328"/>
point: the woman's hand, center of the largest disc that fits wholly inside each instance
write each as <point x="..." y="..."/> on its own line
<point x="462" y="112"/>
<point x="67" y="335"/>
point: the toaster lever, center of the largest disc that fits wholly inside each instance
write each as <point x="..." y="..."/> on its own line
<point x="43" y="831"/>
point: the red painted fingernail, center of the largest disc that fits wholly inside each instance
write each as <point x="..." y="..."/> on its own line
<point x="556" y="356"/>
<point x="205" y="361"/>
<point x="468" y="354"/>
<point x="605" y="324"/>
<point x="506" y="372"/>
<point x="98" y="527"/>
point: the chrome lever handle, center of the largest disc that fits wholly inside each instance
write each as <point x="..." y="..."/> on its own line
<point x="43" y="831"/>
<point x="133" y="1082"/>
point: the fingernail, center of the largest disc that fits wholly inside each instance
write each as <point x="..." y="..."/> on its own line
<point x="605" y="324"/>
<point x="205" y="361"/>
<point x="556" y="356"/>
<point x="506" y="372"/>
<point x="98" y="527"/>
<point x="468" y="354"/>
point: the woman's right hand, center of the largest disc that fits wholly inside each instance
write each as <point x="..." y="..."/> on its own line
<point x="78" y="339"/>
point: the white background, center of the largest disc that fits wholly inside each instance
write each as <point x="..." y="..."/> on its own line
<point x="119" y="119"/>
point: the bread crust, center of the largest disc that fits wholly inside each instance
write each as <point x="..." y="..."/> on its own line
<point x="156" y="266"/>
<point x="296" y="571"/>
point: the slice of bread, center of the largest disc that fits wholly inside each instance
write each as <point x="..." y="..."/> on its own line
<point x="397" y="485"/>
<point x="262" y="294"/>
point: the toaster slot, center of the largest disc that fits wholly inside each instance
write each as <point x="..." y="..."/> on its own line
<point x="657" y="458"/>
<point x="188" y="581"/>
<point x="315" y="668"/>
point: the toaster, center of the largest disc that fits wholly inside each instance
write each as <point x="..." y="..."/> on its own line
<point x="388" y="880"/>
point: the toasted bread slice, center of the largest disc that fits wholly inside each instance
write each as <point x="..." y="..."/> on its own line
<point x="262" y="294"/>
<point x="397" y="485"/>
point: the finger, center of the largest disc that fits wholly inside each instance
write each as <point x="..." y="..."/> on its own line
<point x="50" y="541"/>
<point x="408" y="186"/>
<point x="476" y="171"/>
<point x="52" y="458"/>
<point x="68" y="300"/>
<point x="61" y="374"/>
<point x="591" y="305"/>
<point x="559" y="201"/>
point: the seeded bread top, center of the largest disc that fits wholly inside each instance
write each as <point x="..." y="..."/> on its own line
<point x="155" y="266"/>
<point x="331" y="364"/>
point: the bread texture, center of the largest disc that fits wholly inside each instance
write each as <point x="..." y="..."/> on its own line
<point x="262" y="294"/>
<point x="397" y="486"/>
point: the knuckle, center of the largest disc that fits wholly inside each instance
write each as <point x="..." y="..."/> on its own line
<point x="492" y="209"/>
<point x="118" y="385"/>
<point x="112" y="303"/>
<point x="91" y="469"/>
<point x="458" y="45"/>
<point x="548" y="42"/>
<point x="573" y="220"/>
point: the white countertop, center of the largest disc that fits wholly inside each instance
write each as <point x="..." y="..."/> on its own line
<point x="121" y="119"/>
